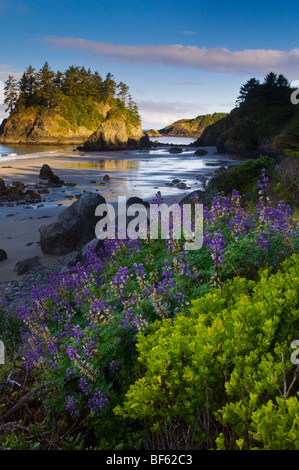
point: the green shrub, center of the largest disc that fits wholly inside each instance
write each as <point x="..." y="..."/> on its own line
<point x="212" y="377"/>
<point x="241" y="177"/>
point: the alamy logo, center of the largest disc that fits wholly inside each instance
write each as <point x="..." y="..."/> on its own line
<point x="156" y="220"/>
<point x="295" y="354"/>
<point x="295" y="94"/>
<point x="2" y="353"/>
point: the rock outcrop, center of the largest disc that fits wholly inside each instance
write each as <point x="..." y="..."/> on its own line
<point x="75" y="226"/>
<point x="115" y="134"/>
<point x="18" y="193"/>
<point x="153" y="133"/>
<point x="34" y="128"/>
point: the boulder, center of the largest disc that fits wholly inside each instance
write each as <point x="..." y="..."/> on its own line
<point x="46" y="173"/>
<point x="201" y="152"/>
<point x="175" y="150"/>
<point x="96" y="244"/>
<point x="3" y="255"/>
<point x="221" y="169"/>
<point x="137" y="200"/>
<point x="2" y="185"/>
<point x="74" y="227"/>
<point x="26" y="265"/>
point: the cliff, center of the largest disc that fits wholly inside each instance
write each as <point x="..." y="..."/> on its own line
<point x="115" y="134"/>
<point x="191" y="127"/>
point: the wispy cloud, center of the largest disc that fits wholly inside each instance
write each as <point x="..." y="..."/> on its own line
<point x="157" y="114"/>
<point x="171" y="107"/>
<point x="189" y="33"/>
<point x="6" y="70"/>
<point x="177" y="55"/>
<point x="186" y="83"/>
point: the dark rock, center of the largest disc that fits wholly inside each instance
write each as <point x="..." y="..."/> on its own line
<point x="176" y="181"/>
<point x="175" y="150"/>
<point x="106" y="178"/>
<point x="74" y="227"/>
<point x="71" y="259"/>
<point x="18" y="185"/>
<point x="220" y="170"/>
<point x="201" y="152"/>
<point x="136" y="200"/>
<point x="3" y="255"/>
<point x="46" y="173"/>
<point x="26" y="265"/>
<point x="95" y="244"/>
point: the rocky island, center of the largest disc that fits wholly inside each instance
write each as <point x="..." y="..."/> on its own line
<point x="74" y="107"/>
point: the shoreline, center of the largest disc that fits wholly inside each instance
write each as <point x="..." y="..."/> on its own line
<point x="130" y="174"/>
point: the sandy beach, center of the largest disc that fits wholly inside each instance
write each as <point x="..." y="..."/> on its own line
<point x="132" y="173"/>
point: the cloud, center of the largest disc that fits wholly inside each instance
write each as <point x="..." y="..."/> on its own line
<point x="158" y="114"/>
<point x="189" y="33"/>
<point x="184" y="83"/>
<point x="3" y="114"/>
<point x="5" y="71"/>
<point x="167" y="107"/>
<point x="177" y="55"/>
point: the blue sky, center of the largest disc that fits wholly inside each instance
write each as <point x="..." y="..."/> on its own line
<point x="179" y="58"/>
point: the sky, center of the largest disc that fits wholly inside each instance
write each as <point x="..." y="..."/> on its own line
<point x="180" y="59"/>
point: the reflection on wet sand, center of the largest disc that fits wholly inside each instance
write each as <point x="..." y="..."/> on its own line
<point x="108" y="165"/>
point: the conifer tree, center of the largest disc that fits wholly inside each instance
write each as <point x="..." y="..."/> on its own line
<point x="10" y="93"/>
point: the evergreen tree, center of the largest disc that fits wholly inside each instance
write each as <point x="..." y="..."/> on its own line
<point x="97" y="85"/>
<point x="28" y="85"/>
<point x="123" y="92"/>
<point x="46" y="86"/>
<point x="109" y="86"/>
<point x="70" y="81"/>
<point x="282" y="81"/>
<point x="10" y="93"/>
<point x="270" y="80"/>
<point x="58" y="79"/>
<point x="248" y="90"/>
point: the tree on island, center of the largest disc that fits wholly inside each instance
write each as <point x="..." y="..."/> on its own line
<point x="46" y="85"/>
<point x="123" y="91"/>
<point x="11" y="93"/>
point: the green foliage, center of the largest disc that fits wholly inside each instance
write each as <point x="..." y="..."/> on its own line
<point x="80" y="111"/>
<point x="217" y="370"/>
<point x="241" y="177"/>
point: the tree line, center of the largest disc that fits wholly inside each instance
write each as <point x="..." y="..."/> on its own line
<point x="275" y="90"/>
<point x="45" y="88"/>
